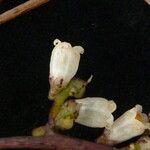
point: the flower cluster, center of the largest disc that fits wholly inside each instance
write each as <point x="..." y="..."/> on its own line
<point x="94" y="112"/>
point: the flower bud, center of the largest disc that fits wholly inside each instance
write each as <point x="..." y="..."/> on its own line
<point x="95" y="112"/>
<point x="63" y="65"/>
<point x="66" y="116"/>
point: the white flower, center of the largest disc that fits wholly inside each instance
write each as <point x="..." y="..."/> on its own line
<point x="63" y="65"/>
<point x="95" y="112"/>
<point x="131" y="124"/>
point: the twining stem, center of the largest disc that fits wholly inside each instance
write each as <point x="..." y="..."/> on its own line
<point x="22" y="8"/>
<point x="147" y="1"/>
<point x="55" y="141"/>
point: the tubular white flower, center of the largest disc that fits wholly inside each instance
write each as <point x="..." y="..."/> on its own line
<point x="63" y="65"/>
<point x="131" y="124"/>
<point x="95" y="112"/>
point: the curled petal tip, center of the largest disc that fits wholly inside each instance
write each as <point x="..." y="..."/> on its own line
<point x="56" y="41"/>
<point x="79" y="49"/>
<point x="138" y="107"/>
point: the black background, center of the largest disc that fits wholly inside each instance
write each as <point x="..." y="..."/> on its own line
<point x="116" y="39"/>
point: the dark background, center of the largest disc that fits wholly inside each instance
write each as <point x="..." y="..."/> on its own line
<point x="116" y="39"/>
